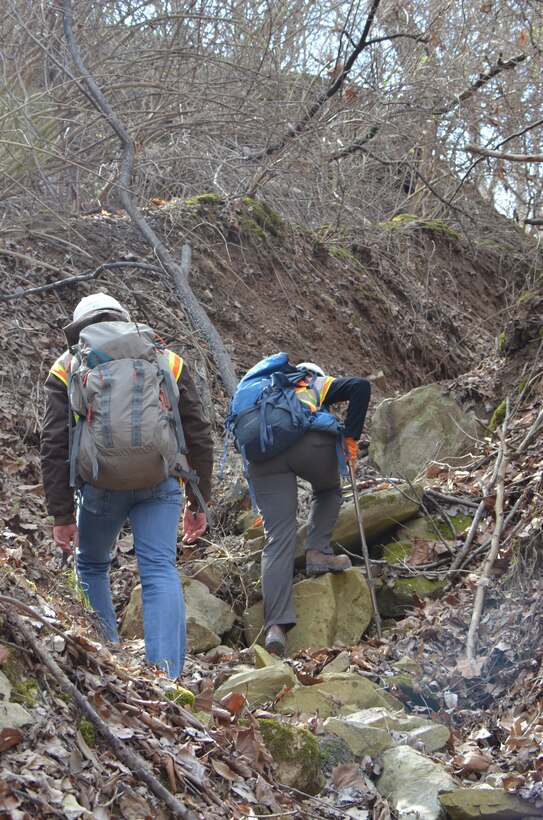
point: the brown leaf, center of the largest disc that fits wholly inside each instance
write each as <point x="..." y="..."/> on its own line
<point x="473" y="760"/>
<point x="307" y="680"/>
<point x="9" y="738"/>
<point x="234" y="701"/>
<point x="4" y="654"/>
<point x="346" y="775"/>
<point x="265" y="795"/>
<point x="420" y="552"/>
<point x="223" y="770"/>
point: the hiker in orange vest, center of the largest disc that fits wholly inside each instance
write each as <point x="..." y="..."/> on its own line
<point x="92" y="520"/>
<point x="274" y="482"/>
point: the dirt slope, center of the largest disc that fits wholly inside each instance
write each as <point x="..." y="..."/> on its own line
<point x="411" y="299"/>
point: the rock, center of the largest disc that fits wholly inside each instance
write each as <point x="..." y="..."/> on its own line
<point x="412" y="783"/>
<point x="393" y="601"/>
<point x="209" y="572"/>
<point x="341" y="693"/>
<point x="494" y="804"/>
<point x="422" y="426"/>
<point x="296" y="753"/>
<point x="221" y="651"/>
<point x="330" y="608"/>
<point x="14" y="716"/>
<point x="340" y="663"/>
<point x="259" y="686"/>
<point x="5" y="687"/>
<point x="263" y="658"/>
<point x="207" y="616"/>
<point x="333" y="751"/>
<point x="371" y="731"/>
<point x="381" y="511"/>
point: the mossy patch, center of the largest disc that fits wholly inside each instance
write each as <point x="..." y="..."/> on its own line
<point x="25" y="691"/>
<point x="265" y="217"/>
<point x="202" y="199"/>
<point x="435" y="227"/>
<point x="342" y="253"/>
<point x="180" y="696"/>
<point x="460" y="522"/>
<point x="296" y="752"/>
<point x="88" y="733"/>
<point x="498" y="416"/>
<point x="397" y="551"/>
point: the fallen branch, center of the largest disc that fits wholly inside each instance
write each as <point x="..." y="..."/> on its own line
<point x="532" y="432"/>
<point x="484" y="577"/>
<point x="458" y="561"/>
<point x="135" y="763"/>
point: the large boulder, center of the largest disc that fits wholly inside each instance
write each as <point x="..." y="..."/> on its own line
<point x="485" y="802"/>
<point x="207" y="616"/>
<point x="341" y="693"/>
<point x="330" y="608"/>
<point x="422" y="426"/>
<point x="371" y="731"/>
<point x="259" y="686"/>
<point x="381" y="511"/>
<point x="412" y="783"/>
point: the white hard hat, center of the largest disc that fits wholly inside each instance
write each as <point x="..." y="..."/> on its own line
<point x="96" y="303"/>
<point x="88" y="309"/>
<point x="312" y="367"/>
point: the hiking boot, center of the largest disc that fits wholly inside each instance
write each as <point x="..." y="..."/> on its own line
<point x="317" y="563"/>
<point x="275" y="641"/>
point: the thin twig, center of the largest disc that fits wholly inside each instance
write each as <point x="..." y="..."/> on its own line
<point x="471" y="645"/>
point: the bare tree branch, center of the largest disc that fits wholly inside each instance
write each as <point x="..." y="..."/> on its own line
<point x="482" y="80"/>
<point x="193" y="308"/>
<point x="330" y="91"/>
<point x="71" y="280"/>
<point x="488" y="152"/>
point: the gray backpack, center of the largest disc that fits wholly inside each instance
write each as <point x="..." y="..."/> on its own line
<point x="128" y="433"/>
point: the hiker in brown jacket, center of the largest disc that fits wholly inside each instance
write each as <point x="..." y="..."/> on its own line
<point x="92" y="520"/>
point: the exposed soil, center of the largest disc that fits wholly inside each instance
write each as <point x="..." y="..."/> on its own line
<point x="409" y="300"/>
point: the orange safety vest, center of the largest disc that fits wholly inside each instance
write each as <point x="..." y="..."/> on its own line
<point x="313" y="396"/>
<point x="61" y="367"/>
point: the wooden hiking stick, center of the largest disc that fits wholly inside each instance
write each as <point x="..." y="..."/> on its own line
<point x="365" y="553"/>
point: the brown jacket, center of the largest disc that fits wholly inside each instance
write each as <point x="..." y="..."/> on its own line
<point x="54" y="445"/>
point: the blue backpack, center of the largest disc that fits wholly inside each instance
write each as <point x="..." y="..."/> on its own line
<point x="265" y="415"/>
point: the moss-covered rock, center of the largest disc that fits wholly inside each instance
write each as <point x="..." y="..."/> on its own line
<point x="265" y="217"/>
<point x="393" y="601"/>
<point x="202" y="199"/>
<point x="296" y="753"/>
<point x="181" y="696"/>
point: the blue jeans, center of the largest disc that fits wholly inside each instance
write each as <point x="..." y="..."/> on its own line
<point x="154" y="514"/>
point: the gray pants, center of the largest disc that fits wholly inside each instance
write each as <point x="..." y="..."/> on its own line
<point x="313" y="458"/>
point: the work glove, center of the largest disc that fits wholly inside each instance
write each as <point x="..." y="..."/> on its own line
<point x="64" y="535"/>
<point x="350" y="450"/>
<point x="194" y="525"/>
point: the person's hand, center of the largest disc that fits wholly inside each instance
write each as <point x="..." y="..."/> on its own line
<point x="194" y="525"/>
<point x="350" y="450"/>
<point x="64" y="535"/>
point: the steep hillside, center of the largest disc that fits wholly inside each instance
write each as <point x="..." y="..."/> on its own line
<point x="412" y="299"/>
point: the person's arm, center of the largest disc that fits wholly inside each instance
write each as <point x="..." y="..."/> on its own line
<point x="357" y="392"/>
<point x="54" y="444"/>
<point x="197" y="429"/>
